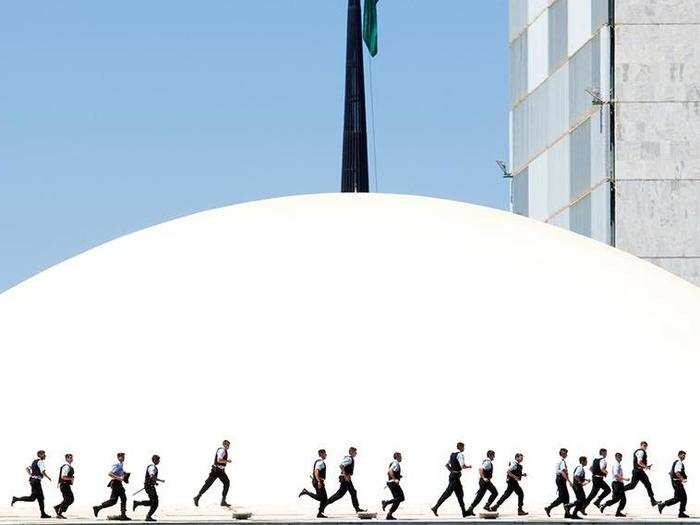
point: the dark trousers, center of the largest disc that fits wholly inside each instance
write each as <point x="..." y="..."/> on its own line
<point x="562" y="494"/>
<point x="679" y="496"/>
<point x="637" y="476"/>
<point x="512" y="486"/>
<point x="345" y="486"/>
<point x="36" y="494"/>
<point x="484" y="485"/>
<point x="599" y="485"/>
<point x="396" y="496"/>
<point x="151" y="502"/>
<point x="618" y="496"/>
<point x="68" y="499"/>
<point x="118" y="493"/>
<point x="321" y="495"/>
<point x="454" y="485"/>
<point x="579" y="503"/>
<point x="214" y="474"/>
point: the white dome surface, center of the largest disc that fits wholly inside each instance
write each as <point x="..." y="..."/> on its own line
<point x="381" y="321"/>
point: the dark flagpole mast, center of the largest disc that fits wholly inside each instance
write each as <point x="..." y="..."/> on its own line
<point x="355" y="167"/>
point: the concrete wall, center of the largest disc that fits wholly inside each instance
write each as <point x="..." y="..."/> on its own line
<point x="657" y="84"/>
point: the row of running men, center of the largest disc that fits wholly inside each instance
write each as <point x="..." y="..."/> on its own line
<point x="455" y="464"/>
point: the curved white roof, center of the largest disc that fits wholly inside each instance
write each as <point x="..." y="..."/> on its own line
<point x="381" y="321"/>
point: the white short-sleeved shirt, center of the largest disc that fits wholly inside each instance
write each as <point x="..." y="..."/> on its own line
<point x="639" y="455"/>
<point x="513" y="466"/>
<point x="460" y="459"/>
<point x="561" y="467"/>
<point x="394" y="466"/>
<point x="603" y="464"/>
<point x="487" y="465"/>
<point x="220" y="452"/>
<point x="65" y="469"/>
<point x="40" y="465"/>
<point x="151" y="470"/>
<point x="347" y="460"/>
<point x="579" y="471"/>
<point x="678" y="467"/>
<point x="617" y="470"/>
<point x="319" y="465"/>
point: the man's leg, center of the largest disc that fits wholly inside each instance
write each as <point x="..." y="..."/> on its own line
<point x="353" y="497"/>
<point x="604" y="491"/>
<point x="113" y="498"/>
<point x="459" y="492"/>
<point x="509" y="490"/>
<point x="683" y="497"/>
<point x="213" y="475"/>
<point x="645" y="481"/>
<point x="479" y="494"/>
<point x="153" y="500"/>
<point x="39" y="494"/>
<point x="396" y="497"/>
<point x="339" y="493"/>
<point x="446" y="494"/>
<point x="494" y="493"/>
<point x="226" y="482"/>
<point x="635" y="479"/>
<point x="594" y="490"/>
<point x="322" y="497"/>
<point x="32" y="495"/>
<point x="521" y="496"/>
<point x="122" y="498"/>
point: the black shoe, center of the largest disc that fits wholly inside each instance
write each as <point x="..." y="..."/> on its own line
<point x="620" y="515"/>
<point x="521" y="512"/>
<point x="360" y="510"/>
<point x="487" y="508"/>
<point x="124" y="517"/>
<point x="135" y="504"/>
<point x="597" y="504"/>
<point x="390" y="517"/>
<point x="683" y="515"/>
<point x="468" y="512"/>
<point x="61" y="517"/>
<point x="14" y="500"/>
<point x="567" y="514"/>
<point x="384" y="504"/>
<point x="494" y="508"/>
<point x="95" y="510"/>
<point x="149" y="518"/>
<point x="225" y="504"/>
<point x="321" y="515"/>
<point x="655" y="502"/>
<point x="55" y="509"/>
<point x="434" y="509"/>
<point x="660" y="507"/>
<point x="196" y="501"/>
<point x="583" y="512"/>
<point x="575" y="517"/>
<point x="304" y="492"/>
<point x="601" y="509"/>
<point x="547" y="510"/>
<point x="44" y="515"/>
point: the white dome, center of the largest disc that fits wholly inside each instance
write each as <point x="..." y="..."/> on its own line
<point x="381" y="321"/>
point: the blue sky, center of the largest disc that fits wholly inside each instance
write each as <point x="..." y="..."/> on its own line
<point x="120" y="114"/>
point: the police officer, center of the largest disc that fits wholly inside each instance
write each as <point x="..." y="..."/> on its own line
<point x="66" y="475"/>
<point x="347" y="469"/>
<point x="513" y="476"/>
<point x="455" y="465"/>
<point x="36" y="471"/>
<point x="562" y="480"/>
<point x="578" y="483"/>
<point x="318" y="481"/>
<point x="149" y="485"/>
<point x="618" y="488"/>
<point x="218" y="471"/>
<point x="599" y="471"/>
<point x="639" y="465"/>
<point x="485" y="484"/>
<point x="678" y="478"/>
<point x="117" y="477"/>
<point x="394" y="484"/>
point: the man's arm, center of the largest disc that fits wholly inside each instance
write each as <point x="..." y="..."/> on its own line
<point x="392" y="475"/>
<point x="46" y="475"/>
<point x="317" y="476"/>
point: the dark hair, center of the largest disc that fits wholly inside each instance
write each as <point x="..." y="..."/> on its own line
<point x="321" y="451"/>
<point x="40" y="452"/>
<point x="603" y="451"/>
<point x="582" y="459"/>
<point x="226" y="442"/>
<point x="490" y="453"/>
<point x="562" y="451"/>
<point x="618" y="454"/>
<point x="121" y="454"/>
<point x="351" y="450"/>
<point x="681" y="452"/>
<point x="155" y="457"/>
<point x="460" y="444"/>
<point x="518" y="454"/>
<point x="643" y="444"/>
<point x="396" y="455"/>
<point x="68" y="455"/>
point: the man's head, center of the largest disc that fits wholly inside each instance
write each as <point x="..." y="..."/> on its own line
<point x="69" y="458"/>
<point x="603" y="453"/>
<point x="226" y="443"/>
<point x="460" y="446"/>
<point x="519" y="458"/>
<point x="41" y="454"/>
<point x="643" y="445"/>
<point x="618" y="456"/>
<point x="681" y="455"/>
<point x="155" y="458"/>
<point x="352" y="452"/>
<point x="397" y="456"/>
<point x="322" y="453"/>
<point x="491" y="454"/>
<point x="563" y="452"/>
<point x="120" y="456"/>
<point x="583" y="460"/>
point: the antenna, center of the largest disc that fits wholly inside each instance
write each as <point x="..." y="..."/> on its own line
<point x="506" y="174"/>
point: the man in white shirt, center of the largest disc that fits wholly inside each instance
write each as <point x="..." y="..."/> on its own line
<point x="36" y="471"/>
<point x="347" y="470"/>
<point x="640" y="464"/>
<point x="66" y="475"/>
<point x="218" y="471"/>
<point x="678" y="479"/>
<point x="485" y="484"/>
<point x="513" y="476"/>
<point x="618" y="488"/>
<point x="577" y="484"/>
<point x="455" y="465"/>
<point x="117" y="478"/>
<point x="150" y="482"/>
<point x="394" y="484"/>
<point x="599" y="471"/>
<point x="318" y="481"/>
<point x="562" y="481"/>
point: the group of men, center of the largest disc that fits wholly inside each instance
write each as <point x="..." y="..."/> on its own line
<point x="600" y="487"/>
<point x="455" y="465"/>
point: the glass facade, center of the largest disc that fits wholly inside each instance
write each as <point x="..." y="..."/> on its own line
<point x="560" y="147"/>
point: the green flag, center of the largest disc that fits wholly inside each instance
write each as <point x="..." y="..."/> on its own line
<point x="370" y="26"/>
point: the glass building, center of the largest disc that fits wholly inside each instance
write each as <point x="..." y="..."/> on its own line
<point x="605" y="123"/>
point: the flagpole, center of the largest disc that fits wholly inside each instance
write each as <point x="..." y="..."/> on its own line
<point x="355" y="172"/>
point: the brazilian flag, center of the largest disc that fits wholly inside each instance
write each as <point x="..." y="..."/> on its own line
<point x="370" y="26"/>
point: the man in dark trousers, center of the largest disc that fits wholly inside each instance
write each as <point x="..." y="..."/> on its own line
<point x="579" y="481"/>
<point x="394" y="484"/>
<point x="618" y="488"/>
<point x="65" y="482"/>
<point x="640" y="465"/>
<point x="678" y="478"/>
<point x="318" y="481"/>
<point x="513" y="476"/>
<point x="561" y="478"/>
<point x="347" y="469"/>
<point x="117" y="478"/>
<point x="218" y="471"/>
<point x="149" y="485"/>
<point x="36" y="471"/>
<point x="455" y="465"/>
<point x="599" y="471"/>
<point x="485" y="484"/>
